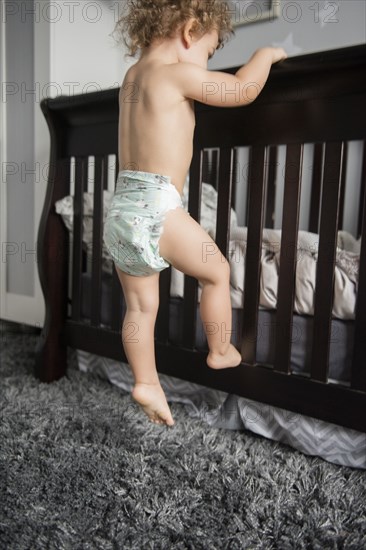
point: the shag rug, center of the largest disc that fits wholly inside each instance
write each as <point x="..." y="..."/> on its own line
<point x="82" y="468"/>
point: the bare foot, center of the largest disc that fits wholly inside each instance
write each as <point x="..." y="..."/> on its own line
<point x="152" y="399"/>
<point x="231" y="358"/>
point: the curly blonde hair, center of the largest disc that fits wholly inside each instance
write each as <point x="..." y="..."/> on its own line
<point x="147" y="20"/>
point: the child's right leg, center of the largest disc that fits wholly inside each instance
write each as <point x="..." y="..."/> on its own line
<point x="187" y="246"/>
<point x="142" y="301"/>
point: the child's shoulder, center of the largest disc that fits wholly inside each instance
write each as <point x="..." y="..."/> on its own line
<point x="182" y="73"/>
<point x="187" y="79"/>
<point x="174" y="74"/>
<point x="174" y="69"/>
<point x="184" y="69"/>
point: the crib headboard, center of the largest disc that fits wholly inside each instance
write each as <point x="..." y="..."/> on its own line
<point x="315" y="98"/>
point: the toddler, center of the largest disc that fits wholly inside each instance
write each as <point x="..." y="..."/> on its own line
<point x="147" y="229"/>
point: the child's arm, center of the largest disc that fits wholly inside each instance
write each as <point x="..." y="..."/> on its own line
<point x="227" y="90"/>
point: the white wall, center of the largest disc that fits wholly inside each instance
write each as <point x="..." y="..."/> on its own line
<point x="304" y="26"/>
<point x="84" y="56"/>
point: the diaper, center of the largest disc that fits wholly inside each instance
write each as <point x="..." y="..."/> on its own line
<point x="134" y="221"/>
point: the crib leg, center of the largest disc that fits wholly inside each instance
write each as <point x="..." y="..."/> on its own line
<point x="52" y="253"/>
<point x="51" y="355"/>
<point x="51" y="351"/>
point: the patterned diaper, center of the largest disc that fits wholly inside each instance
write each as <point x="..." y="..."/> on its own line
<point x="135" y="219"/>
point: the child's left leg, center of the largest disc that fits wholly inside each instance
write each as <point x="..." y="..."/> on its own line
<point x="142" y="301"/>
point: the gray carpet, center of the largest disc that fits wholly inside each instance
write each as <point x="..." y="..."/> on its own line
<point x="82" y="468"/>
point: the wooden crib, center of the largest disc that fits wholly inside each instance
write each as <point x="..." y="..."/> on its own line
<point x="316" y="98"/>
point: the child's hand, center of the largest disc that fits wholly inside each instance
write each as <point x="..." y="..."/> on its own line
<point x="278" y="54"/>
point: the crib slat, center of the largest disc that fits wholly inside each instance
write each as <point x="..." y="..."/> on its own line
<point x="163" y="316"/>
<point x="116" y="290"/>
<point x="256" y="181"/>
<point x="96" y="286"/>
<point x="206" y="165"/>
<point x="288" y="257"/>
<point x="358" y="375"/>
<point x="116" y="168"/>
<point x="106" y="169"/>
<point x="271" y="186"/>
<point x="226" y="168"/>
<point x="235" y="177"/>
<point x="316" y="186"/>
<point x="115" y="301"/>
<point x="323" y="302"/>
<point x="81" y="185"/>
<point x="214" y="167"/>
<point x="191" y="283"/>
<point x="343" y="185"/>
<point x="362" y="190"/>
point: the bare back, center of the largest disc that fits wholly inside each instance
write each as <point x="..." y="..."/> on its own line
<point x="156" y="120"/>
<point x="156" y="123"/>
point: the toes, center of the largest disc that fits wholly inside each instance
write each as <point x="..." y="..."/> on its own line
<point x="161" y="420"/>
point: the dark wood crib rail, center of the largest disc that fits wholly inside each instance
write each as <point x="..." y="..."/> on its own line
<point x="315" y="98"/>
